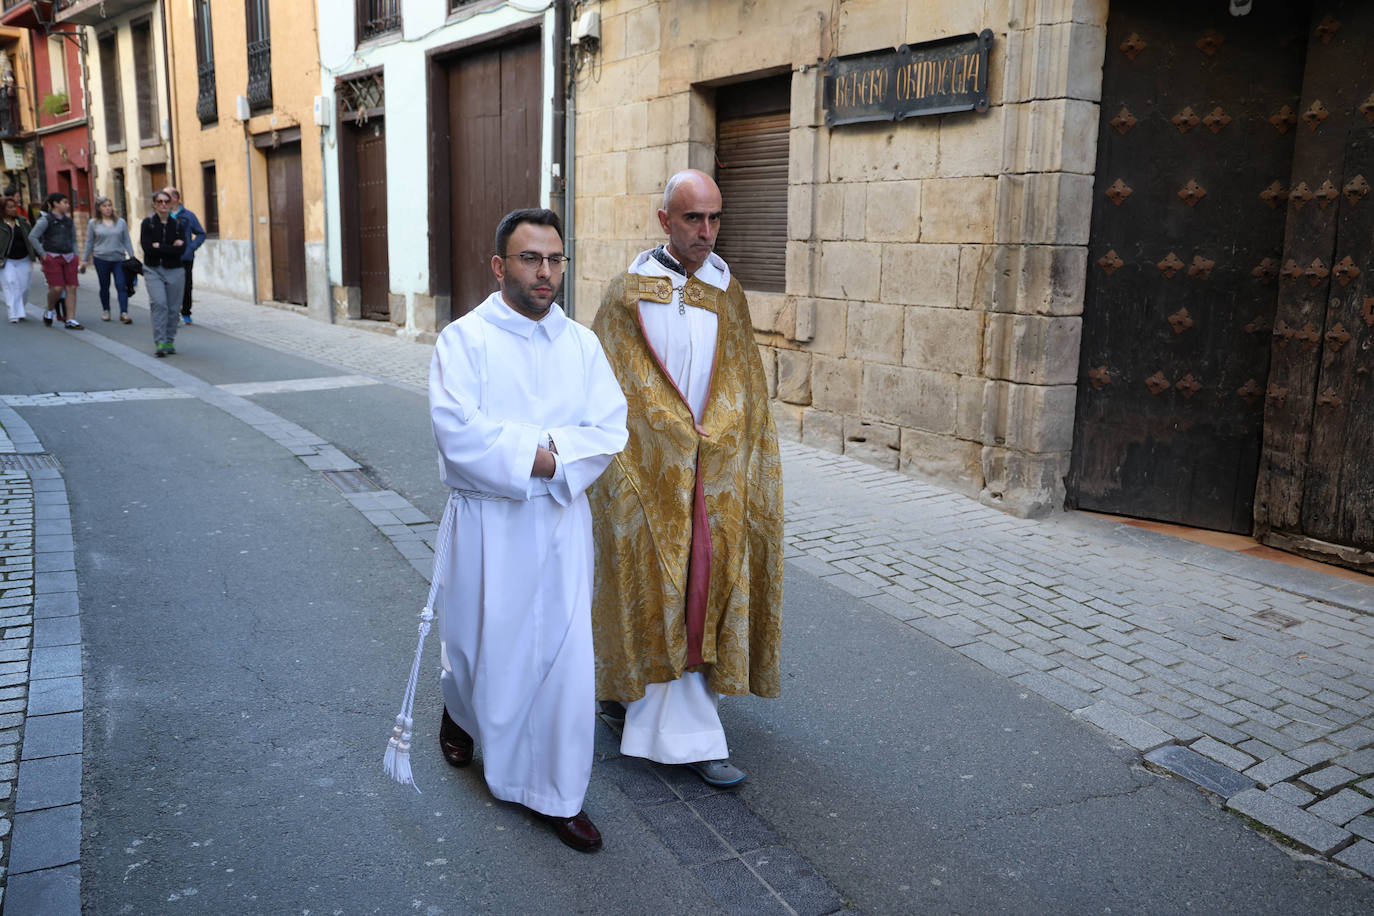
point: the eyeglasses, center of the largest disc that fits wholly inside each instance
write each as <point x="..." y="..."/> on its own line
<point x="534" y="261"/>
<point x="162" y="200"/>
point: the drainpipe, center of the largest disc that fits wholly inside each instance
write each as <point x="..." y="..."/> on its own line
<point x="324" y="209"/>
<point x="324" y="188"/>
<point x="252" y="220"/>
<point x="39" y="157"/>
<point x="569" y="160"/>
<point x="86" y="109"/>
<point x="171" y="103"/>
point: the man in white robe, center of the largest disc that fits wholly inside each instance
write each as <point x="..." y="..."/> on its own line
<point x="526" y="414"/>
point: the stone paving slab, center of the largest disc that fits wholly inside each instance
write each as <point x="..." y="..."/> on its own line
<point x="1202" y="771"/>
<point x="54" y="891"/>
<point x="47" y="838"/>
<point x="1136" y="732"/>
<point x="1359" y="857"/>
<point x="1319" y="835"/>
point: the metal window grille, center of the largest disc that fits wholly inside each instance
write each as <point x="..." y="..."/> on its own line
<point x="207" y="106"/>
<point x="378" y="17"/>
<point x="259" y="56"/>
<point x="361" y="96"/>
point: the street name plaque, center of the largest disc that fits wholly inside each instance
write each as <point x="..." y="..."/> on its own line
<point x="930" y="78"/>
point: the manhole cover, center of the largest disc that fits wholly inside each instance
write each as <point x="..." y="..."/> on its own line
<point x="1282" y="621"/>
<point x="10" y="461"/>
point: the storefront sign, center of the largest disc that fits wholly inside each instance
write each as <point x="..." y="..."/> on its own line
<point x="930" y="78"/>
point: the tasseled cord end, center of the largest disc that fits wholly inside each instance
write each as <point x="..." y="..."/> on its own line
<point x="396" y="762"/>
<point x="397" y="759"/>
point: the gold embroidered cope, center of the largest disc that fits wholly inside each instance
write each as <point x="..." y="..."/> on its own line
<point x="642" y="507"/>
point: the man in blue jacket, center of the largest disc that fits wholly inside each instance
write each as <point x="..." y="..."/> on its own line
<point x="188" y="259"/>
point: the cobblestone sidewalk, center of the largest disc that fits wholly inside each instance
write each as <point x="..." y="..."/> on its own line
<point x="1251" y="679"/>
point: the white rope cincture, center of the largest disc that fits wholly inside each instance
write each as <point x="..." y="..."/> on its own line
<point x="396" y="761"/>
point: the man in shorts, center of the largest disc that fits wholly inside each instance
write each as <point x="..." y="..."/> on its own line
<point x="53" y="239"/>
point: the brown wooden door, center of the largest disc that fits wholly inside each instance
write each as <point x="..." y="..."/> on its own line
<point x="1187" y="232"/>
<point x="494" y="154"/>
<point x="286" y="214"/>
<point x="157" y="180"/>
<point x="1316" y="491"/>
<point x="374" y="261"/>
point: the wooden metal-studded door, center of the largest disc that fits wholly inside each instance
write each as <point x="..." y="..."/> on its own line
<point x="1316" y="484"/>
<point x="374" y="273"/>
<point x="1194" y="153"/>
<point x="495" y="105"/>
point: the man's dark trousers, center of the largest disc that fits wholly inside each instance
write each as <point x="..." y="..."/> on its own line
<point x="186" y="296"/>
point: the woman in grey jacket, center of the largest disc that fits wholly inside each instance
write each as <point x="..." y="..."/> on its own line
<point x="108" y="239"/>
<point x="17" y="261"/>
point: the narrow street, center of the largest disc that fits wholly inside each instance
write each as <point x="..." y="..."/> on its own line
<point x="973" y="712"/>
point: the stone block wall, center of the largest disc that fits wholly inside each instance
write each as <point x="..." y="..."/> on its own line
<point x="935" y="267"/>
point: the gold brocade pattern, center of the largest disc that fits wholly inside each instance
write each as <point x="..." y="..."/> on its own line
<point x="642" y="510"/>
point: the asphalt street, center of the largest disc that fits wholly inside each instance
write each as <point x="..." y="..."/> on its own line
<point x="245" y="631"/>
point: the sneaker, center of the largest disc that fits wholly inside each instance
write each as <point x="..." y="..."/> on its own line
<point x="186" y="319"/>
<point x="105" y="315"/>
<point x="161" y="351"/>
<point x="14" y="321"/>
<point x="171" y="350"/>
<point x="125" y="319"/>
<point x="48" y="317"/>
<point x="719" y="773"/>
<point x="74" y="325"/>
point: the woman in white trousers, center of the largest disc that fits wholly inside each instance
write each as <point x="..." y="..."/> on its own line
<point x="18" y="261"/>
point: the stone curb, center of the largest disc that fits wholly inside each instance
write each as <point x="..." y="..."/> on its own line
<point x="42" y="871"/>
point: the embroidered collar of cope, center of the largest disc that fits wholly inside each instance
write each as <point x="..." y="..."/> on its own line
<point x="694" y="292"/>
<point x="503" y="316"/>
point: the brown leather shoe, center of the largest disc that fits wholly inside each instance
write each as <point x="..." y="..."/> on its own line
<point x="454" y="742"/>
<point x="577" y="831"/>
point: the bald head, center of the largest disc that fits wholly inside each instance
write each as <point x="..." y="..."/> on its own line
<point x="686" y="176"/>
<point x="690" y="217"/>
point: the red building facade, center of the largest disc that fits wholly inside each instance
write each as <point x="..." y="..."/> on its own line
<point x="62" y="152"/>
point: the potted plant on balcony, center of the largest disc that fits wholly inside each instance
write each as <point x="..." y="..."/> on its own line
<point x="54" y="103"/>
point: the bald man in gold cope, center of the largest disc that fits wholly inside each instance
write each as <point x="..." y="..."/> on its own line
<point x="688" y="518"/>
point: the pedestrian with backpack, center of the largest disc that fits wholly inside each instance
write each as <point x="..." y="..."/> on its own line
<point x="53" y="239"/>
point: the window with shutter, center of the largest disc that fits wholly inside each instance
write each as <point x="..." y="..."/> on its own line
<point x="117" y="194"/>
<point x="752" y="121"/>
<point x="210" y="207"/>
<point x="112" y="92"/>
<point x="145" y="81"/>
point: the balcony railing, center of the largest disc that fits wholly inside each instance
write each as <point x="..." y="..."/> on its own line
<point x="207" y="109"/>
<point x="260" y="74"/>
<point x="378" y="17"/>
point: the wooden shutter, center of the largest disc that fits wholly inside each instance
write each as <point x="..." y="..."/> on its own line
<point x="110" y="89"/>
<point x="752" y="121"/>
<point x="145" y="81"/>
